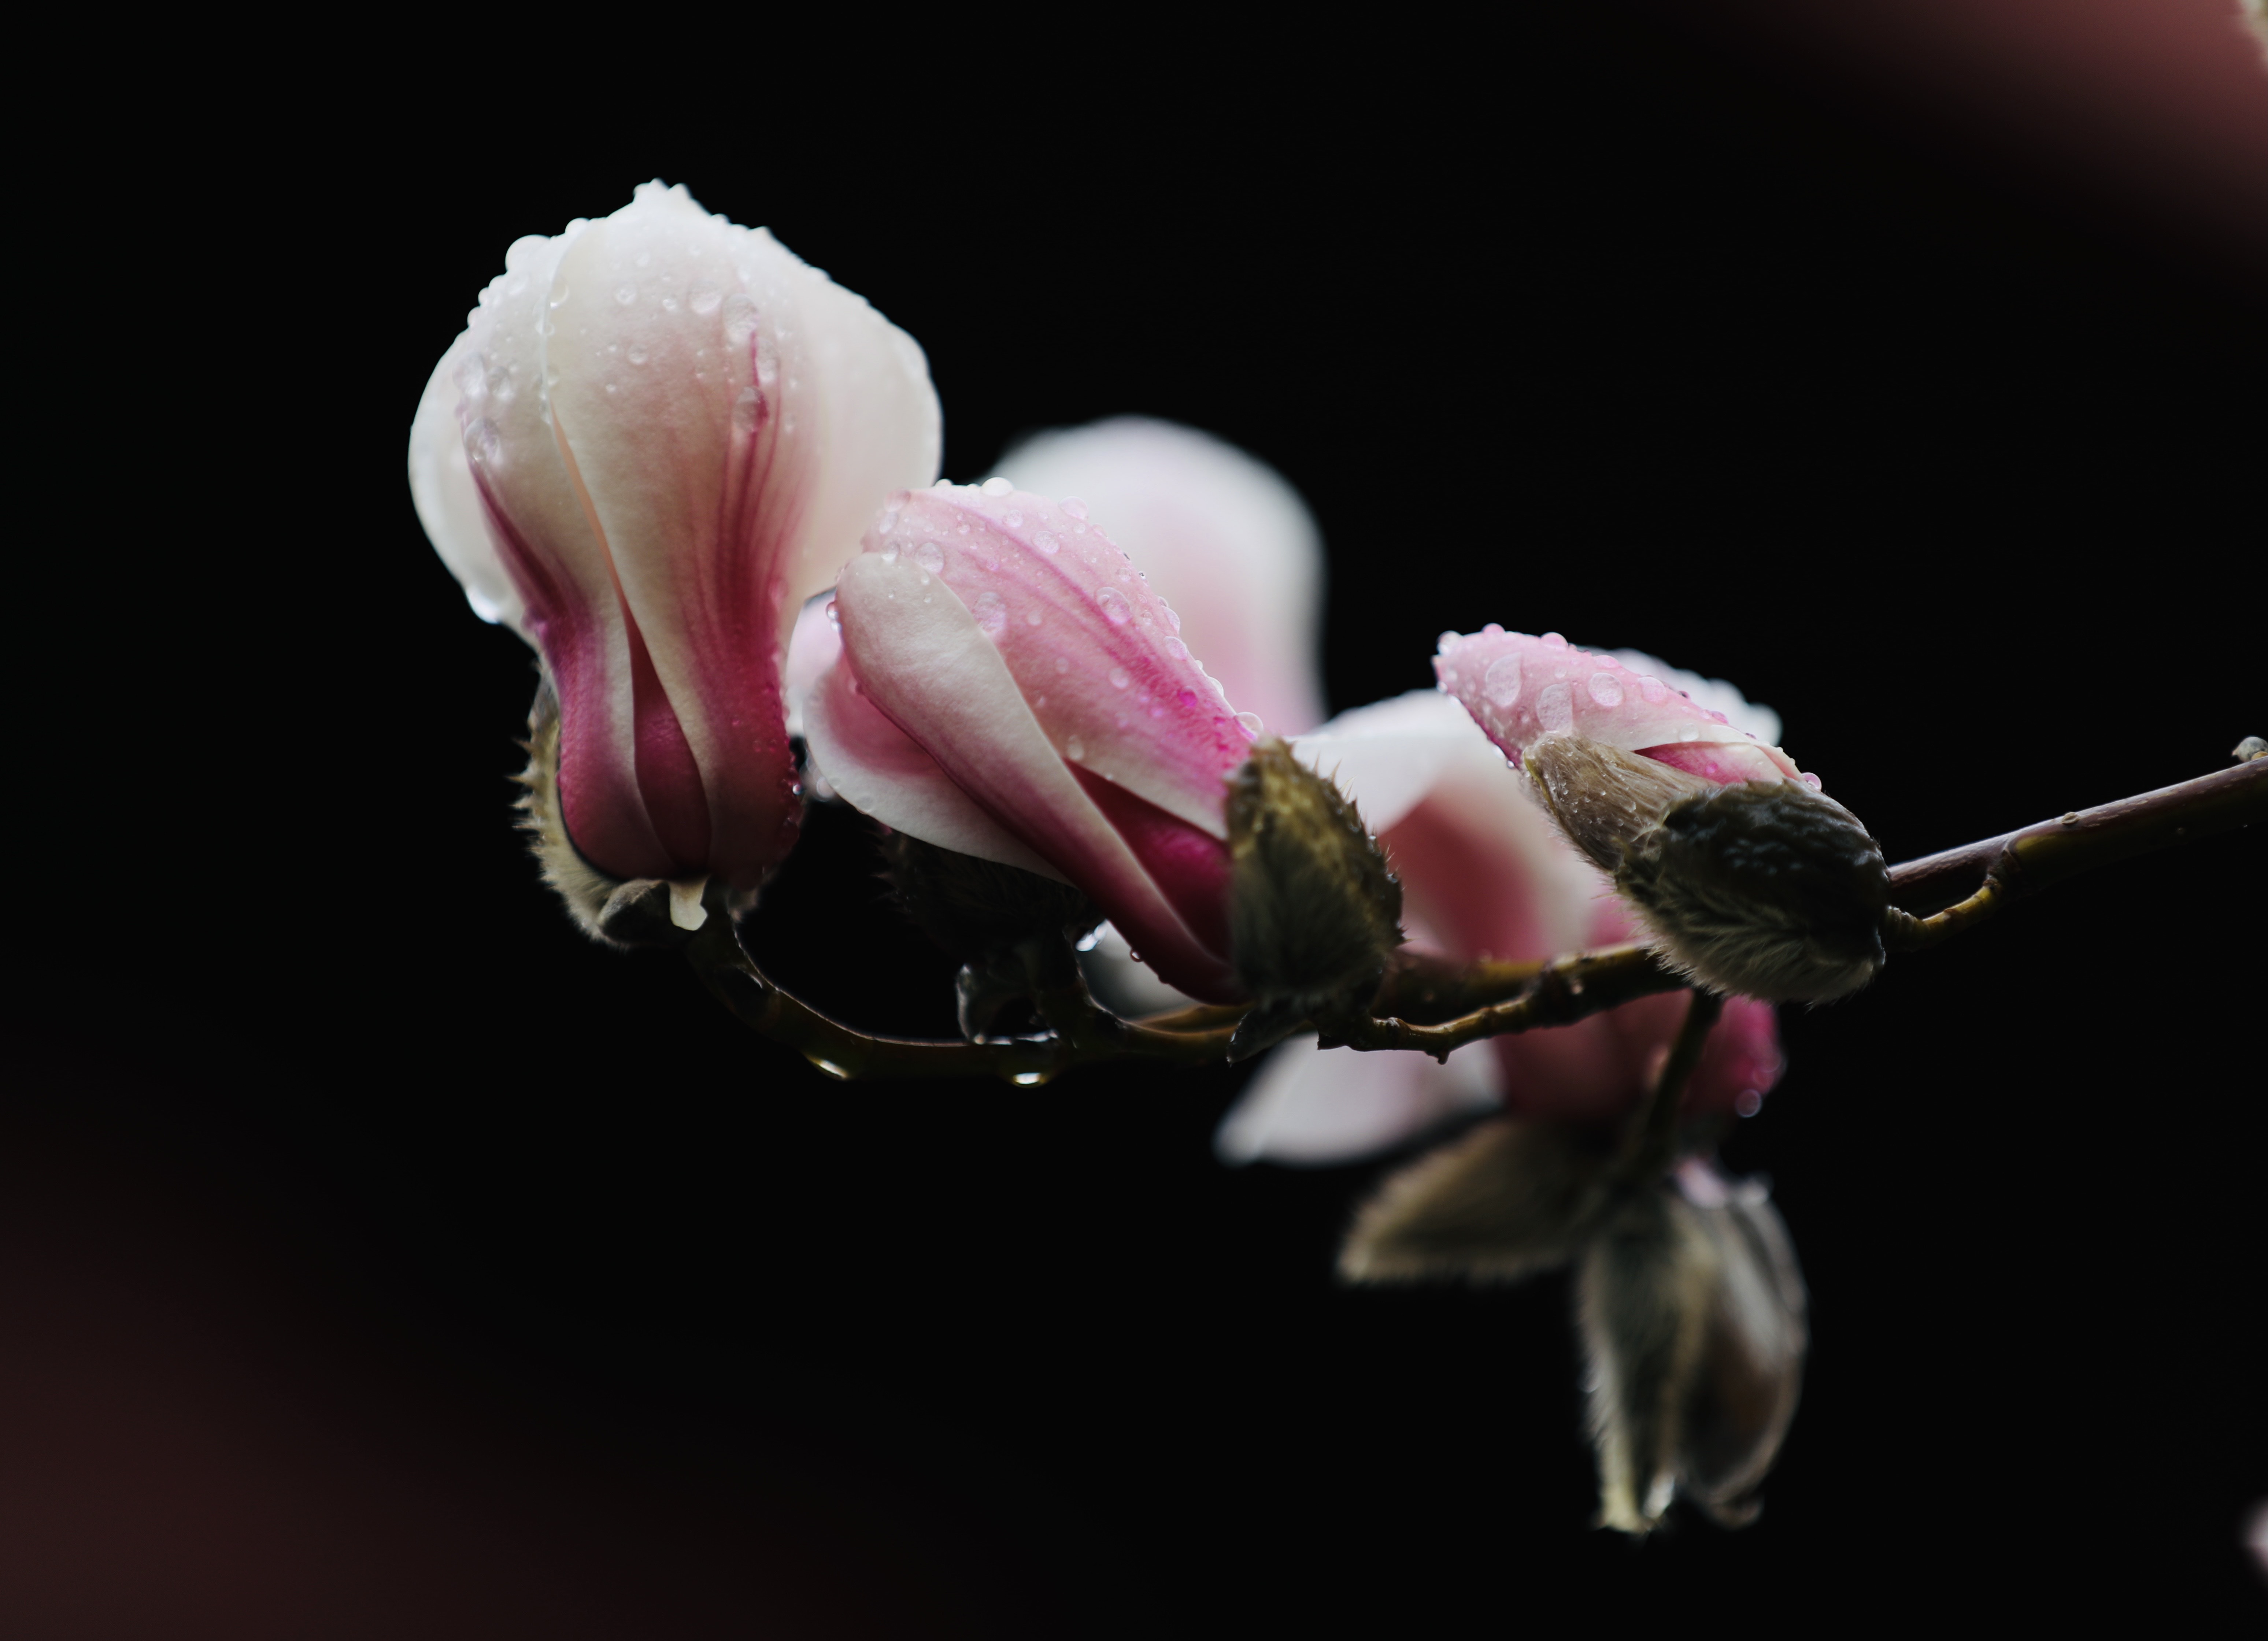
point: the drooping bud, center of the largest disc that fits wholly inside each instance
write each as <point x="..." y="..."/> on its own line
<point x="1691" y="1311"/>
<point x="1312" y="910"/>
<point x="1749" y="878"/>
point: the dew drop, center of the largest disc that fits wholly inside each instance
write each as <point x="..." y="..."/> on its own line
<point x="1075" y="749"/>
<point x="1812" y="781"/>
<point x="890" y="553"/>
<point x="1250" y="721"/>
<point x="1189" y="699"/>
<point x="997" y="487"/>
<point x="1172" y="616"/>
<point x="1605" y="690"/>
<point x="1116" y="609"/>
<point x="1013" y="520"/>
<point x="1448" y="641"/>
<point x="1494" y="630"/>
<point x="1654" y="691"/>
<point x="1555" y="709"/>
<point x="1118" y="679"/>
<point x="638" y="353"/>
<point x="626" y="293"/>
<point x="1028" y="1080"/>
<point x="747" y="411"/>
<point x="929" y="557"/>
<point x="1032" y="620"/>
<point x="1501" y="683"/>
<point x="1062" y="667"/>
<point x="1072" y="505"/>
<point x="1045" y="541"/>
<point x="705" y="297"/>
<point x="740" y="324"/>
<point x="1177" y="649"/>
<point x="1608" y="662"/>
<point x="1555" y="640"/>
<point x="1749" y="1102"/>
<point x="991" y="613"/>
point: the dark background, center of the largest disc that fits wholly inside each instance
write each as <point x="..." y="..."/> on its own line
<point x="379" y="1257"/>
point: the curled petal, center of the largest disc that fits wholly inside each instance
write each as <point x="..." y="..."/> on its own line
<point x="812" y="649"/>
<point x="1521" y="689"/>
<point x="449" y="502"/>
<point x="1218" y="533"/>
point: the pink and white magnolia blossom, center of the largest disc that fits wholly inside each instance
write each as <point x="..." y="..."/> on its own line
<point x="1484" y="874"/>
<point x="1219" y="535"/>
<point x="1010" y="688"/>
<point x="658" y="435"/>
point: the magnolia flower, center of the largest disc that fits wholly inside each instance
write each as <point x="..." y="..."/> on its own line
<point x="658" y="435"/>
<point x="1012" y="688"/>
<point x="1484" y="874"/>
<point x="1749" y="878"/>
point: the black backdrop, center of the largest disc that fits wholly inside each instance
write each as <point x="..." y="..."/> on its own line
<point x="384" y="1259"/>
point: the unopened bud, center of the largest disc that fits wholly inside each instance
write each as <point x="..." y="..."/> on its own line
<point x="1513" y="1197"/>
<point x="1692" y="1315"/>
<point x="1314" y="912"/>
<point x="1763" y="888"/>
<point x="976" y="909"/>
<point x="642" y="912"/>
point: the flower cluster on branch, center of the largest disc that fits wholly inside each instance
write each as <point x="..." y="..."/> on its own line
<point x="700" y="479"/>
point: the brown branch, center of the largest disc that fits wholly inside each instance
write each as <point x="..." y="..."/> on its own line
<point x="1454" y="1004"/>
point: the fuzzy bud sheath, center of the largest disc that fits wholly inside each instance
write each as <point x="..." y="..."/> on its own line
<point x="1763" y="888"/>
<point x="1314" y="912"/>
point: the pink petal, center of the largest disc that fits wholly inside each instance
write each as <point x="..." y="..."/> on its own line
<point x="1219" y="535"/>
<point x="929" y="662"/>
<point x="1521" y="689"/>
<point x="880" y="770"/>
<point x="1093" y="650"/>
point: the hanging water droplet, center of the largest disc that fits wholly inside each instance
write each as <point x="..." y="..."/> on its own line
<point x="1116" y="609"/>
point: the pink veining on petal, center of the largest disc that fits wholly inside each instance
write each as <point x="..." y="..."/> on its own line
<point x="1093" y="648"/>
<point x="1521" y="689"/>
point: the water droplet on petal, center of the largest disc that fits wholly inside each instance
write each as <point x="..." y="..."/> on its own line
<point x="1494" y="630"/>
<point x="1608" y="662"/>
<point x="1555" y="640"/>
<point x="1116" y="609"/>
<point x="1448" y="641"/>
<point x="1173" y="617"/>
<point x="1605" y="690"/>
<point x="1118" y="679"/>
<point x="929" y="557"/>
<point x="890" y="553"/>
<point x="1501" y="683"/>
<point x="1251" y="723"/>
<point x="705" y="297"/>
<point x="1072" y="505"/>
<point x="1045" y="542"/>
<point x="1555" y="709"/>
<point x="1749" y="1102"/>
<point x="1075" y="749"/>
<point x="1653" y="690"/>
<point x="638" y="353"/>
<point x="997" y="487"/>
<point x="626" y="294"/>
<point x="991" y="613"/>
<point x="747" y="411"/>
<point x="1812" y="781"/>
<point x="1012" y="520"/>
<point x="1177" y="649"/>
<point x="1032" y="620"/>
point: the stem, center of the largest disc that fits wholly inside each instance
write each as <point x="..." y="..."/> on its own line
<point x="1564" y="990"/>
<point x="1651" y="1145"/>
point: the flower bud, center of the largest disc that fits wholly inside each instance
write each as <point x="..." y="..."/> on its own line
<point x="1749" y="878"/>
<point x="658" y="435"/>
<point x="1692" y="1314"/>
<point x="1010" y="688"/>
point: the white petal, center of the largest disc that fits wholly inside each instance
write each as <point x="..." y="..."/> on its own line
<point x="1315" y="1108"/>
<point x="449" y="503"/>
<point x="1387" y="755"/>
<point x="1714" y="693"/>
